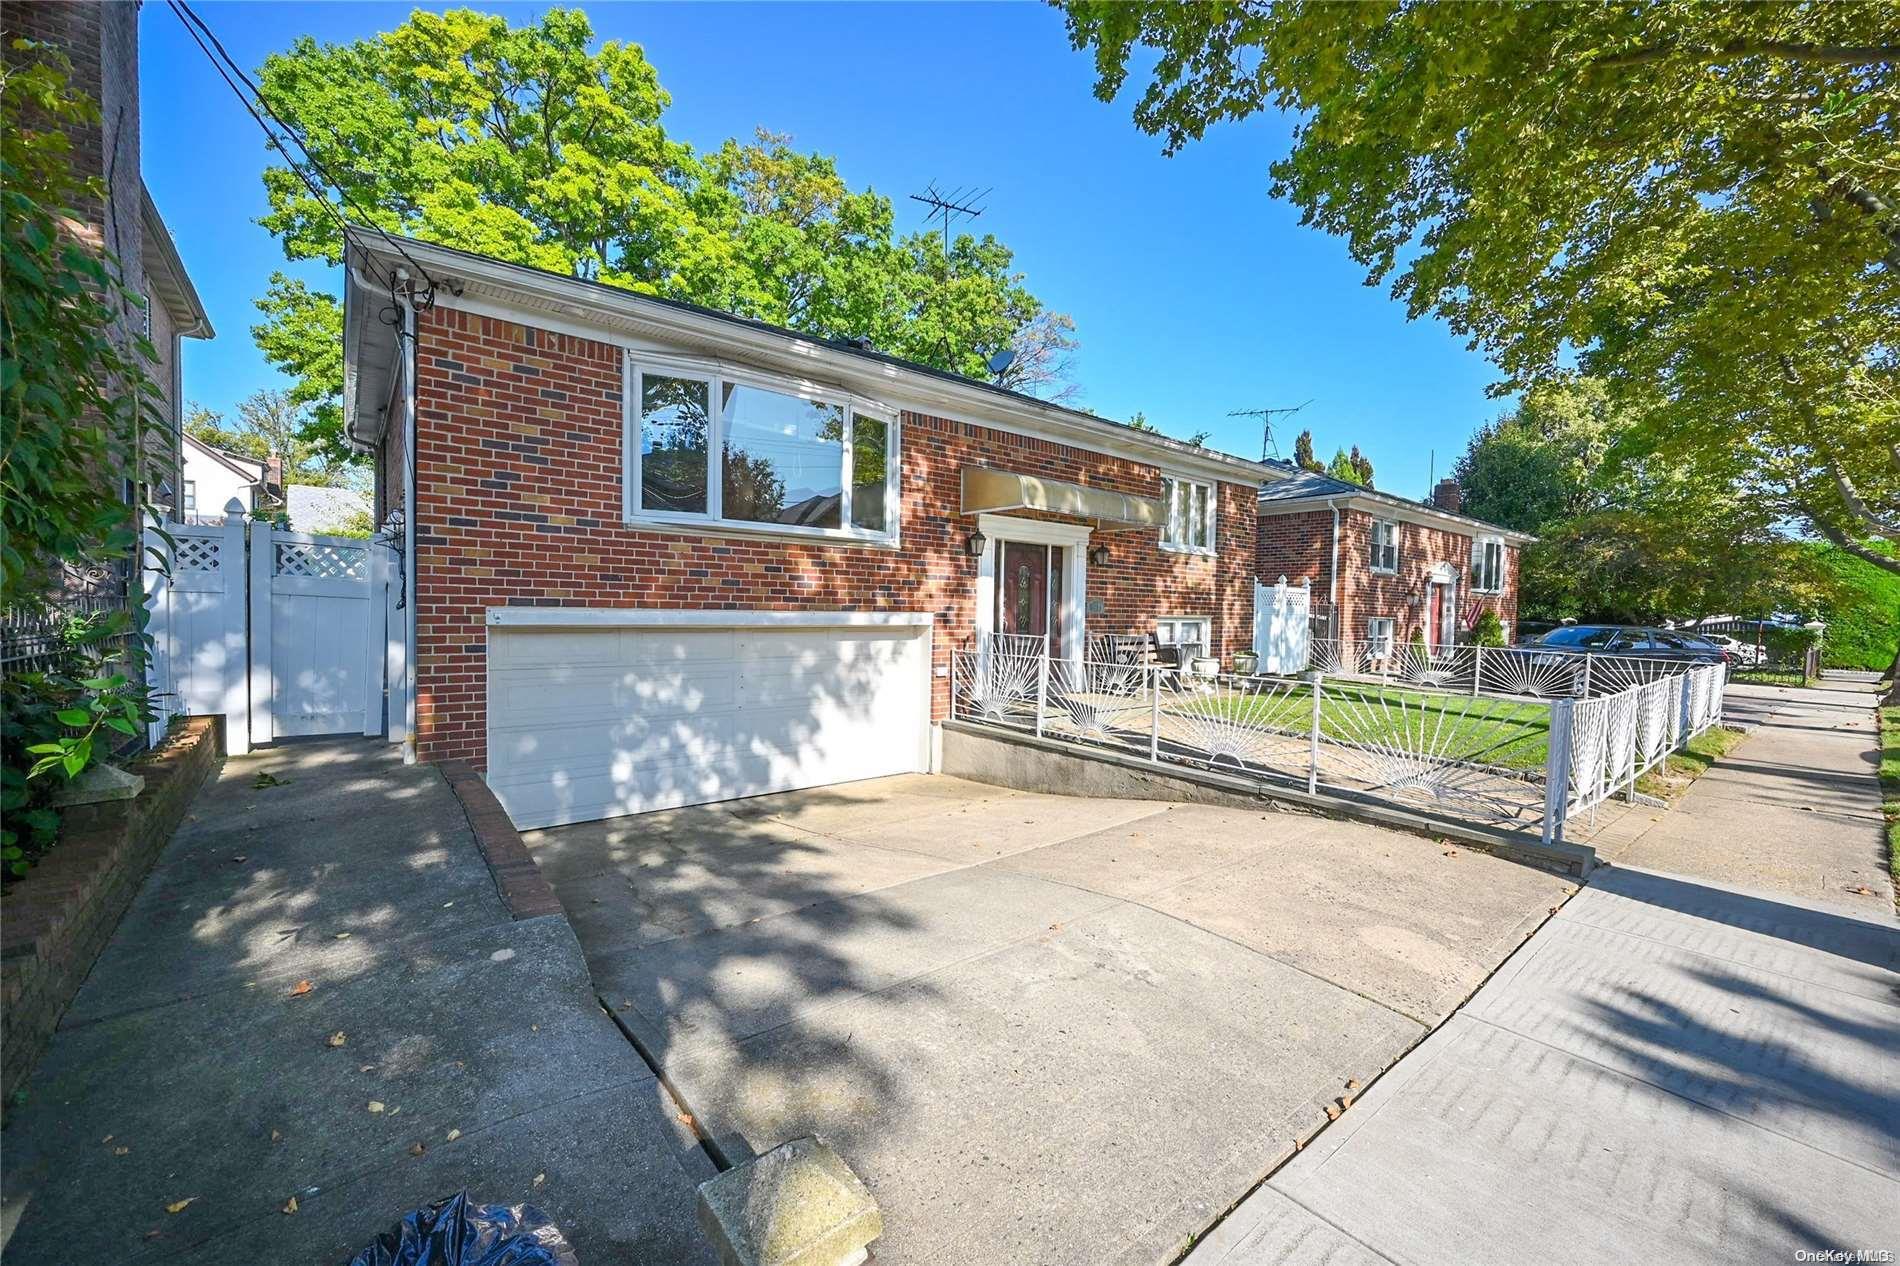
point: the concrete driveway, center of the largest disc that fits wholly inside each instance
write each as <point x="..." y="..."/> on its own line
<point x="1041" y="1028"/>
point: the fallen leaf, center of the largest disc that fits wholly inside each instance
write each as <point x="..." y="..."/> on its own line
<point x="1352" y="1083"/>
<point x="338" y="1038"/>
<point x="106" y="1139"/>
<point x="178" y="1206"/>
<point x="447" y="904"/>
<point x="375" y="1105"/>
<point x="1332" y="1112"/>
<point x="276" y="1137"/>
<point x="302" y="987"/>
<point x="417" y="1149"/>
<point x="686" y="1119"/>
<point x="539" y="1179"/>
<point x="367" y="1068"/>
<point x="153" y="1234"/>
<point x="121" y="1151"/>
<point x="240" y="859"/>
<point x="342" y="936"/>
<point x="290" y="1205"/>
<point x="453" y="1135"/>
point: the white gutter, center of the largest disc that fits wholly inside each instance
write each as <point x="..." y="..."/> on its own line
<point x="410" y="604"/>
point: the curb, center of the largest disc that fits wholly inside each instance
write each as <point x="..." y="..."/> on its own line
<point x="523" y="889"/>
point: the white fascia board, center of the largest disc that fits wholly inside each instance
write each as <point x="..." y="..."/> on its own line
<point x="656" y="618"/>
<point x="533" y="297"/>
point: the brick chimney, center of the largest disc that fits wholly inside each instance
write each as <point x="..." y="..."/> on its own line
<point x="1447" y="497"/>
<point x="274" y="477"/>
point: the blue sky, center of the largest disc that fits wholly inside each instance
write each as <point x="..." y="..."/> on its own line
<point x="1194" y="292"/>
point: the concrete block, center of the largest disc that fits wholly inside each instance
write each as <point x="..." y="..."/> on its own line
<point x="797" y="1205"/>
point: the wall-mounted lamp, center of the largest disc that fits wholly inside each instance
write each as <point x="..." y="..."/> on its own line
<point x="973" y="544"/>
<point x="1098" y="557"/>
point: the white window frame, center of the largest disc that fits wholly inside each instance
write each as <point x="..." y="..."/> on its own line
<point x="1206" y="622"/>
<point x="1478" y="578"/>
<point x="1182" y="542"/>
<point x="1381" y="636"/>
<point x="637" y="365"/>
<point x="1393" y="526"/>
<point x="188" y="496"/>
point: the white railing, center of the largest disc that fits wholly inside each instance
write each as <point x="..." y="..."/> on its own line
<point x="1510" y="758"/>
<point x="1502" y="670"/>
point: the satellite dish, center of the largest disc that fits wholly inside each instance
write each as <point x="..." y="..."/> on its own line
<point x="1002" y="360"/>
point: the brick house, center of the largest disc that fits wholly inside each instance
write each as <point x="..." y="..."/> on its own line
<point x="1385" y="568"/>
<point x="101" y="40"/>
<point x="660" y="555"/>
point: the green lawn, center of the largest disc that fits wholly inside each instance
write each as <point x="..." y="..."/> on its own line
<point x="1681" y="768"/>
<point x="1769" y="676"/>
<point x="1482" y="731"/>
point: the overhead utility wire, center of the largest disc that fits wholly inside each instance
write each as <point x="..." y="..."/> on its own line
<point x="200" y="32"/>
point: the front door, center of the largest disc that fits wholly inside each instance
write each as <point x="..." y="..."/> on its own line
<point x="1029" y="592"/>
<point x="1440" y="616"/>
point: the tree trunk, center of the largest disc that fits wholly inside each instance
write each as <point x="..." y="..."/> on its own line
<point x="1893" y="683"/>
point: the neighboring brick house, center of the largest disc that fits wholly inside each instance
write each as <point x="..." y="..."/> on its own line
<point x="101" y="41"/>
<point x="661" y="555"/>
<point x="1386" y="568"/>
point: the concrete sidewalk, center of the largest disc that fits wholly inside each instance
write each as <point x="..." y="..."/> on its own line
<point x="192" y="1068"/>
<point x="1676" y="1067"/>
<point x="1667" y="1071"/>
<point x="1794" y="809"/>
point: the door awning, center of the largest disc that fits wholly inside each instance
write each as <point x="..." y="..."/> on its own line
<point x="992" y="491"/>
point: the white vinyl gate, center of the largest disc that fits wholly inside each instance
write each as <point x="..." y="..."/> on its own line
<point x="1282" y="617"/>
<point x="281" y="632"/>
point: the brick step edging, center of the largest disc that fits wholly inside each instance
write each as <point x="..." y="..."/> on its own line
<point x="524" y="890"/>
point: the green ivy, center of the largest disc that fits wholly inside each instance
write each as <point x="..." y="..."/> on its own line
<point x="74" y="399"/>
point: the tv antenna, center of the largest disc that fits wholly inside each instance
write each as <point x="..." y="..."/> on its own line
<point x="1268" y="446"/>
<point x="957" y="204"/>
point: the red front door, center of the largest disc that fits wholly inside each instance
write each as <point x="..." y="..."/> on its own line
<point x="1028" y="591"/>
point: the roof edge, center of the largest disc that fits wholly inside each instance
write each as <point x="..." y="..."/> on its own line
<point x="693" y="319"/>
<point x="1372" y="500"/>
<point x="170" y="277"/>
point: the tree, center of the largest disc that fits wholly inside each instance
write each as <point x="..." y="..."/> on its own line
<point x="1636" y="540"/>
<point x="1341" y="467"/>
<point x="529" y="144"/>
<point x="1693" y="200"/>
<point x="207" y="426"/>
<point x="1303" y="453"/>
<point x="269" y="424"/>
<point x="1361" y="467"/>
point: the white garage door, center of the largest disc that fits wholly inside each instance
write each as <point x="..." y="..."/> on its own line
<point x="593" y="723"/>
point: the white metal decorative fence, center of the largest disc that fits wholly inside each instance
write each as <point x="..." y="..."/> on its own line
<point x="1503" y="670"/>
<point x="1513" y="759"/>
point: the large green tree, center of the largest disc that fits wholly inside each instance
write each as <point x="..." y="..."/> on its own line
<point x="1695" y="202"/>
<point x="533" y="144"/>
<point x="1635" y="540"/>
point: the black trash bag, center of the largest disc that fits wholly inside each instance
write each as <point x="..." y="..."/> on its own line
<point x="455" y="1232"/>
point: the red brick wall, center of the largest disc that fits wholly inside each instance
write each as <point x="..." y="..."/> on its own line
<point x="1299" y="546"/>
<point x="518" y="502"/>
<point x="1364" y="593"/>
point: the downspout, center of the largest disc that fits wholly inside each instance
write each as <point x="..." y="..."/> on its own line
<point x="1332" y="575"/>
<point x="407" y="303"/>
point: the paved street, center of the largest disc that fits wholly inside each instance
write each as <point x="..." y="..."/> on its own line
<point x="1676" y="1067"/>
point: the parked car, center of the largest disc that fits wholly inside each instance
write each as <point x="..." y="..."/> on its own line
<point x="1740" y="654"/>
<point x="1630" y="640"/>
